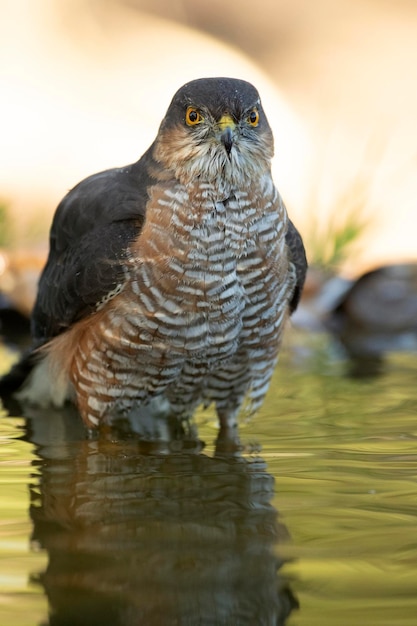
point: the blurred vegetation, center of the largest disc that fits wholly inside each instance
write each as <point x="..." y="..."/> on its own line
<point x="6" y="227"/>
<point x="33" y="231"/>
<point x="37" y="228"/>
<point x="330" y="245"/>
<point x="330" y="242"/>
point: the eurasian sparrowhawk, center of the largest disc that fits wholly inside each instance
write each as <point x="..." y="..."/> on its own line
<point x="169" y="281"/>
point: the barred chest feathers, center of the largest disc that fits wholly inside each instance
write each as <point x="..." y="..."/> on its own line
<point x="202" y="308"/>
<point x="206" y="268"/>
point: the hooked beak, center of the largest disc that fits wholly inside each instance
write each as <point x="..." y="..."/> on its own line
<point x="227" y="126"/>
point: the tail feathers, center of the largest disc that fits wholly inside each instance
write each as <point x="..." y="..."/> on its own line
<point x="13" y="380"/>
<point x="34" y="381"/>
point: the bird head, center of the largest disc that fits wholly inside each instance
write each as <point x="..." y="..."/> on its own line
<point x="215" y="129"/>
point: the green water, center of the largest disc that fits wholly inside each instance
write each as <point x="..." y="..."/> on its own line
<point x="315" y="525"/>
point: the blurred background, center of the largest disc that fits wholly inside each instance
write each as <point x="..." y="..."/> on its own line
<point x="85" y="84"/>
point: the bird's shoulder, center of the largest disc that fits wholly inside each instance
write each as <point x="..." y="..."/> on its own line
<point x="109" y="196"/>
<point x="92" y="230"/>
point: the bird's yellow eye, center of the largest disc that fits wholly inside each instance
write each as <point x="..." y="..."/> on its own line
<point x="193" y="117"/>
<point x="253" y="118"/>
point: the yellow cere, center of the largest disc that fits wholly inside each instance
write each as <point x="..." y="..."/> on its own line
<point x="226" y="121"/>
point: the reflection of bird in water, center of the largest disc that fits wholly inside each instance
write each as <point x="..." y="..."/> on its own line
<point x="154" y="539"/>
<point x="169" y="281"/>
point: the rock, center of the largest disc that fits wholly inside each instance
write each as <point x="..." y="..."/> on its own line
<point x="378" y="314"/>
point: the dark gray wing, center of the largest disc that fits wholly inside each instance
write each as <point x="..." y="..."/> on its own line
<point x="297" y="256"/>
<point x="91" y="232"/>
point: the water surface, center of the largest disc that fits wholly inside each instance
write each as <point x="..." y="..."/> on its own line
<point x="314" y="524"/>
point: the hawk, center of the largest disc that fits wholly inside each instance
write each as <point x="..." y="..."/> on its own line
<point x="169" y="281"/>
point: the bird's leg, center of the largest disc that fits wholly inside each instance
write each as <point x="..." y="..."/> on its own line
<point x="228" y="441"/>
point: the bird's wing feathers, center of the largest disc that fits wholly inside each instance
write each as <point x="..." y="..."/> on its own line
<point x="90" y="236"/>
<point x="298" y="258"/>
<point x="73" y="284"/>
